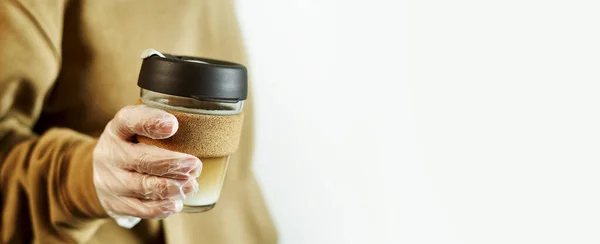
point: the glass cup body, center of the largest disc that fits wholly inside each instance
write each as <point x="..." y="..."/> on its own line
<point x="213" y="172"/>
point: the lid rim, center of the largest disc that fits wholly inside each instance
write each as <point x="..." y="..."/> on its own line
<point x="215" y="80"/>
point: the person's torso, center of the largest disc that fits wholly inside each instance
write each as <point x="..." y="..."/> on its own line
<point x="101" y="47"/>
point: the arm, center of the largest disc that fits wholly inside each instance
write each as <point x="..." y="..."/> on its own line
<point x="58" y="186"/>
<point x="46" y="181"/>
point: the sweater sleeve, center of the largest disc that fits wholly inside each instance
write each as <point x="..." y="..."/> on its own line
<point x="47" y="190"/>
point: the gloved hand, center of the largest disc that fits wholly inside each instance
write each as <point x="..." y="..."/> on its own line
<point x="135" y="179"/>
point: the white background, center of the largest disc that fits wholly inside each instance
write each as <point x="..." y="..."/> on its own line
<point x="506" y="100"/>
<point x="484" y="130"/>
<point x="333" y="121"/>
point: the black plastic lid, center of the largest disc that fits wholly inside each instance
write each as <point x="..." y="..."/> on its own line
<point x="198" y="78"/>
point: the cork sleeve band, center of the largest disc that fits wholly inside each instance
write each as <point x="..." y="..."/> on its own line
<point x="204" y="136"/>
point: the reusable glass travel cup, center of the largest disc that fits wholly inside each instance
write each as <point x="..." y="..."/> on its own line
<point x="207" y="97"/>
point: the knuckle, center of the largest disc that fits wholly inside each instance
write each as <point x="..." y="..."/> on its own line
<point x="133" y="181"/>
<point x="123" y="112"/>
<point x="159" y="186"/>
<point x="146" y="184"/>
<point x="142" y="158"/>
<point x="145" y="125"/>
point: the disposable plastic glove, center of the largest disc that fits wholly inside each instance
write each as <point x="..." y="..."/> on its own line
<point x="139" y="180"/>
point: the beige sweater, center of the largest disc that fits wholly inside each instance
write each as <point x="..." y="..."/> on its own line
<point x="66" y="67"/>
